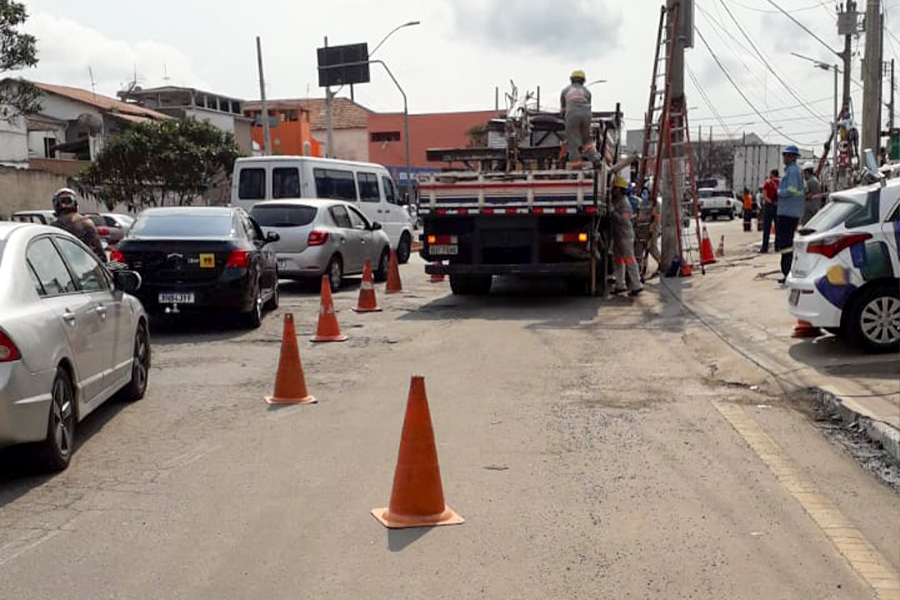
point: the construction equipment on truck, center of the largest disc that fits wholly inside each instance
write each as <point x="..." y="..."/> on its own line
<point x="514" y="208"/>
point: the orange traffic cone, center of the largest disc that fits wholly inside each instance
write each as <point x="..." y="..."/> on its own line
<point x="437" y="277"/>
<point x="720" y="251"/>
<point x="367" y="301"/>
<point x="804" y="329"/>
<point x="328" y="330"/>
<point x="290" y="385"/>
<point x="417" y="498"/>
<point x="706" y="251"/>
<point x="394" y="285"/>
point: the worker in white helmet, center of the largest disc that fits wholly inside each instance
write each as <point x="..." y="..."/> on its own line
<point x="623" y="241"/>
<point x="813" y="201"/>
<point x="575" y="105"/>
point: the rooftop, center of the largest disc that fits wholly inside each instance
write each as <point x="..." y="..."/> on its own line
<point x="345" y="114"/>
<point x="100" y="101"/>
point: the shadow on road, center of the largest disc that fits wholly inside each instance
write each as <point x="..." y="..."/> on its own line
<point x="19" y="472"/>
<point x="833" y="355"/>
<point x="399" y="539"/>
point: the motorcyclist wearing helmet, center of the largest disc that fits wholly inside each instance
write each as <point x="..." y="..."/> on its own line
<point x="65" y="205"/>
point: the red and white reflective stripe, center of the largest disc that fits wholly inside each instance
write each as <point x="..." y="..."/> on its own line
<point x="366" y="285"/>
<point x="591" y="209"/>
<point x="627" y="260"/>
<point x="487" y="211"/>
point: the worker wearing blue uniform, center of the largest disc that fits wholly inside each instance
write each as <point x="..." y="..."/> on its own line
<point x="791" y="196"/>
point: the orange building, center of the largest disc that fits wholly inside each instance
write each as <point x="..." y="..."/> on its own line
<point x="433" y="130"/>
<point x="289" y="127"/>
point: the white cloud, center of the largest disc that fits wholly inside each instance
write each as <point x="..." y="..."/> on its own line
<point x="68" y="51"/>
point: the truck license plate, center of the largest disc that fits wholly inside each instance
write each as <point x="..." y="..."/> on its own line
<point x="445" y="249"/>
<point x="794" y="298"/>
<point x="176" y="298"/>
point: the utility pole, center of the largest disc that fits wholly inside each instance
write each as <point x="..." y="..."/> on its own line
<point x="263" y="107"/>
<point x="847" y="25"/>
<point x="891" y="102"/>
<point x="328" y="127"/>
<point x="872" y="77"/>
<point x="671" y="210"/>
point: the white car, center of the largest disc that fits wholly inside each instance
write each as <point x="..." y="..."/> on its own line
<point x="71" y="337"/>
<point x="844" y="278"/>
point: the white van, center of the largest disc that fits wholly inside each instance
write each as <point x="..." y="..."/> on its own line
<point x="366" y="185"/>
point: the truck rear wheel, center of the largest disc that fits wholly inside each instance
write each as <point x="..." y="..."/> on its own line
<point x="470" y="285"/>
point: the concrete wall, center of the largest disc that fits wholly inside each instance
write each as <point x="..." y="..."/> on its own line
<point x="349" y="144"/>
<point x="14" y="143"/>
<point x="243" y="135"/>
<point x="27" y="189"/>
<point x="225" y="122"/>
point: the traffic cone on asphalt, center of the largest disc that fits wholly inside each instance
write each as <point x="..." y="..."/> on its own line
<point x="720" y="251"/>
<point x="290" y="385"/>
<point x="804" y="329"/>
<point x="394" y="285"/>
<point x="706" y="251"/>
<point x="367" y="301"/>
<point x="328" y="329"/>
<point x="417" y="497"/>
<point x="437" y="277"/>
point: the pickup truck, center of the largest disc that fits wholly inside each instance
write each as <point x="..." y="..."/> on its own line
<point x="716" y="203"/>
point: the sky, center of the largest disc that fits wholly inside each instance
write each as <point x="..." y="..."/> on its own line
<point x="462" y="50"/>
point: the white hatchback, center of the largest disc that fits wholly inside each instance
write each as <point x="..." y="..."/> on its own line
<point x="846" y="274"/>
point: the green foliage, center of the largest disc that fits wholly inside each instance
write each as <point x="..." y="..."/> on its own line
<point x="17" y="51"/>
<point x="166" y="163"/>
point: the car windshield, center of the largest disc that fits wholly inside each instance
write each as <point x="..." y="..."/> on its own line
<point x="283" y="215"/>
<point x="705" y="193"/>
<point x="832" y="214"/>
<point x="191" y="225"/>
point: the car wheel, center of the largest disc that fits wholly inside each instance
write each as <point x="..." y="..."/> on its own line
<point x="272" y="304"/>
<point x="874" y="319"/>
<point x="381" y="273"/>
<point x="404" y="248"/>
<point x="140" y="366"/>
<point x="56" y="450"/>
<point x="253" y="319"/>
<point x="335" y="272"/>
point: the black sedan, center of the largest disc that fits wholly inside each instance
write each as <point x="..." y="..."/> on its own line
<point x="202" y="259"/>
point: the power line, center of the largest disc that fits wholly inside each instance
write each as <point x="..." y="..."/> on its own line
<point x="802" y="26"/>
<point x="766" y="64"/>
<point x="707" y="100"/>
<point x="739" y="90"/>
<point x="763" y="10"/>
<point x="769" y="110"/>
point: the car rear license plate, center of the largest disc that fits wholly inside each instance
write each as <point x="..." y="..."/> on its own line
<point x="176" y="298"/>
<point x="794" y="298"/>
<point x="445" y="249"/>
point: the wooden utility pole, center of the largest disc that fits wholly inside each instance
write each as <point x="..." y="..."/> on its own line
<point x="872" y="76"/>
<point x="263" y="107"/>
<point x="671" y="210"/>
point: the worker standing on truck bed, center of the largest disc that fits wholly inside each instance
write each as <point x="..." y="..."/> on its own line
<point x="575" y="105"/>
<point x="623" y="241"/>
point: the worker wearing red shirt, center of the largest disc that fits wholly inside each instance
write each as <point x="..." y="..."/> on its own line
<point x="770" y="206"/>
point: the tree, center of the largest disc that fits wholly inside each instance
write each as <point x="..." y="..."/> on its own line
<point x="171" y="162"/>
<point x="17" y="51"/>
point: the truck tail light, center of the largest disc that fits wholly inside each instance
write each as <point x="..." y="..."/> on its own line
<point x="572" y="238"/>
<point x="442" y="239"/>
<point x="832" y="245"/>
<point x="115" y="256"/>
<point x="8" y="350"/>
<point x="317" y="237"/>
<point x="103" y="231"/>
<point x="238" y="259"/>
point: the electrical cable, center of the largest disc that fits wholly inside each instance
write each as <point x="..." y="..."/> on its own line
<point x="765" y="63"/>
<point x="741" y="92"/>
<point x="706" y="99"/>
<point x="803" y="27"/>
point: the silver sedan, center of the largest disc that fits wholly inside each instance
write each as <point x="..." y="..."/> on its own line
<point x="323" y="236"/>
<point x="71" y="337"/>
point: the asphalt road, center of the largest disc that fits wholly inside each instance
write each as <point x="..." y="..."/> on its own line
<point x="597" y="449"/>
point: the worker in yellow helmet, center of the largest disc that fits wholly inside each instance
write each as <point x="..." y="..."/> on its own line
<point x="623" y="241"/>
<point x="575" y="105"/>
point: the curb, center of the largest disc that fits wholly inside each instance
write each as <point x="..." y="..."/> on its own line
<point x="877" y="431"/>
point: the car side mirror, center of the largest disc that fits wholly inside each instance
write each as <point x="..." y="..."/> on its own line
<point x="127" y="281"/>
<point x="272" y="236"/>
<point x="376" y="226"/>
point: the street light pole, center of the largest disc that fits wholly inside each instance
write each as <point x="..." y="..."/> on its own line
<point x="834" y="135"/>
<point x="390" y="33"/>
